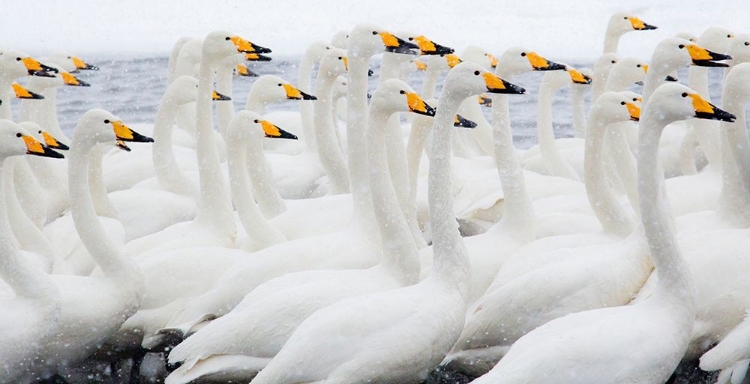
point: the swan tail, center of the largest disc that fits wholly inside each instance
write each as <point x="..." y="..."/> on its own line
<point x="234" y="368"/>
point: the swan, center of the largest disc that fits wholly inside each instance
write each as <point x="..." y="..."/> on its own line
<point x="289" y="299"/>
<point x="350" y="247"/>
<point x="214" y="224"/>
<point x="313" y="54"/>
<point x="92" y="307"/>
<point x="619" y="24"/>
<point x="418" y="323"/>
<point x="602" y="68"/>
<point x="70" y="63"/>
<point x="578" y="91"/>
<point x="731" y="355"/>
<point x="31" y="313"/>
<point x="12" y="66"/>
<point x="590" y="346"/>
<point x="512" y="307"/>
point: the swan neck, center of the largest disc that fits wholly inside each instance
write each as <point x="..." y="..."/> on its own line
<point x="255" y="102"/>
<point x="224" y="109"/>
<point x="261" y="180"/>
<point x="356" y="128"/>
<point x="168" y="173"/>
<point x="553" y="160"/>
<point x="5" y="96"/>
<point x="420" y="129"/>
<point x="102" y="204"/>
<point x="734" y="199"/>
<point x="329" y="153"/>
<point x="304" y="84"/>
<point x="579" y="113"/>
<point x="430" y="83"/>
<point x="611" y="41"/>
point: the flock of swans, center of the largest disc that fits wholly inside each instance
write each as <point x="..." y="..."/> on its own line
<point x="344" y="244"/>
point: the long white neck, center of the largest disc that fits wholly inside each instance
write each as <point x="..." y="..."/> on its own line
<point x="173" y="58"/>
<point x="553" y="160"/>
<point x="579" y="112"/>
<point x="420" y="130"/>
<point x="390" y="67"/>
<point x="25" y="280"/>
<point x="617" y="147"/>
<point x="481" y="135"/>
<point x="329" y="153"/>
<point x="27" y="190"/>
<point x="48" y="114"/>
<point x="356" y="128"/>
<point x="450" y="257"/>
<point x="102" y="205"/>
<point x="430" y="82"/>
<point x="611" y="40"/>
<point x="602" y="199"/>
<point x="215" y="208"/>
<point x="50" y="175"/>
<point x="657" y="73"/>
<point x="734" y="200"/>
<point x="675" y="283"/>
<point x="256" y="103"/>
<point x="399" y="250"/>
<point x="706" y="131"/>
<point x="168" y="173"/>
<point x="304" y="84"/>
<point x="599" y="83"/>
<point x="260" y="233"/>
<point x="224" y="109"/>
<point x="110" y="257"/>
<point x="264" y="190"/>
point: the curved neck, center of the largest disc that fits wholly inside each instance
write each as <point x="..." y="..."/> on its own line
<point x="356" y="129"/>
<point x="25" y="280"/>
<point x="734" y="200"/>
<point x="224" y="109"/>
<point x="215" y="208"/>
<point x="420" y="130"/>
<point x="611" y="41"/>
<point x="329" y="153"/>
<point x="259" y="231"/>
<point x="617" y="146"/>
<point x="705" y="130"/>
<point x="657" y="73"/>
<point x="579" y="113"/>
<point x="264" y="190"/>
<point x="168" y="173"/>
<point x="6" y="96"/>
<point x="450" y="258"/>
<point x="109" y="257"/>
<point x="553" y="160"/>
<point x="675" y="283"/>
<point x="304" y="84"/>
<point x="256" y="103"/>
<point x="390" y="67"/>
<point x="399" y="251"/>
<point x="601" y="77"/>
<point x="598" y="189"/>
<point x="102" y="205"/>
<point x="430" y="82"/>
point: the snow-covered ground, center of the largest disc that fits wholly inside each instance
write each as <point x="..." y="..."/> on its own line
<point x="563" y="29"/>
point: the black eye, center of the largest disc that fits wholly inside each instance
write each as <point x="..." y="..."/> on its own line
<point x="729" y="36"/>
<point x="613" y="61"/>
<point x="684" y="94"/>
<point x="638" y="65"/>
<point x="411" y="38"/>
<point x="69" y="57"/>
<point x="625" y="18"/>
<point x="634" y="99"/>
<point x="18" y="134"/>
<point x="622" y="103"/>
<point x="476" y="73"/>
<point x="280" y="84"/>
<point x="256" y="121"/>
<point x="228" y="38"/>
<point x="18" y="59"/>
<point x="523" y="54"/>
<point x="40" y="132"/>
<point x="402" y="92"/>
<point x="106" y="121"/>
<point x="681" y="46"/>
<point x="339" y="57"/>
<point x="747" y="43"/>
<point x="328" y="47"/>
<point x="374" y="32"/>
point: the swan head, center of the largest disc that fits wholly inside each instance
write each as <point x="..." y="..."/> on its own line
<point x="518" y="60"/>
<point x="716" y="39"/>
<point x="739" y="49"/>
<point x="469" y="79"/>
<point x="248" y="125"/>
<point x="222" y="44"/>
<point x="394" y="95"/>
<point x="738" y="82"/>
<point x="478" y="55"/>
<point x="101" y="127"/>
<point x="242" y="70"/>
<point x="339" y="39"/>
<point x="673" y="102"/>
<point x="274" y="89"/>
<point x="672" y="53"/>
<point x="71" y="63"/>
<point x="687" y="36"/>
<point x="183" y="90"/>
<point x="606" y="62"/>
<point x="367" y="40"/>
<point x="64" y="78"/>
<point x="630" y="69"/>
<point x="458" y="120"/>
<point x="334" y="62"/>
<point x="615" y="107"/>
<point x="442" y="62"/>
<point x="16" y="141"/>
<point x="15" y="64"/>
<point x="317" y="49"/>
<point x="43" y="136"/>
<point x="426" y="46"/>
<point x="623" y="22"/>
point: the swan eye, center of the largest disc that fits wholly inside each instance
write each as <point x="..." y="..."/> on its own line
<point x="523" y="54"/>
<point x="328" y="47"/>
<point x="280" y="84"/>
<point x="635" y="99"/>
<point x="69" y="57"/>
<point x="227" y="38"/>
<point x="625" y="18"/>
<point x="684" y="94"/>
<point x="18" y="59"/>
<point x="411" y="39"/>
<point x="18" y="134"/>
<point x="729" y="36"/>
<point x="476" y="73"/>
<point x="747" y="43"/>
<point x="40" y="132"/>
<point x="402" y="92"/>
<point x="256" y="121"/>
<point x="638" y="65"/>
<point x="339" y="57"/>
<point x="613" y="61"/>
<point x="374" y="32"/>
<point x="681" y="46"/>
<point x="106" y="121"/>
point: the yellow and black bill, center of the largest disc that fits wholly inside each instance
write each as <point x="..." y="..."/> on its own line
<point x="293" y="93"/>
<point x="460" y="121"/>
<point x="578" y="77"/>
<point x="639" y="25"/>
<point x="429" y="47"/>
<point x="539" y="63"/>
<point x="493" y="60"/>
<point x="124" y="133"/>
<point x="122" y="146"/>
<point x="33" y="147"/>
<point x="216" y="96"/>
<point x="73" y="81"/>
<point x="25" y="94"/>
<point x="256" y="57"/>
<point x="244" y="46"/>
<point x="35" y="68"/>
<point x="417" y="105"/>
<point x="273" y="131"/>
<point x="51" y="142"/>
<point x="706" y="110"/>
<point x="396" y="44"/>
<point x="484" y="100"/>
<point x="243" y="70"/>
<point x="497" y="85"/>
<point x="420" y="65"/>
<point x="82" y="65"/>
<point x="702" y="57"/>
<point x="634" y="111"/>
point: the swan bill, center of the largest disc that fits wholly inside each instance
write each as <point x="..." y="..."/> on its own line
<point x="73" y="81"/>
<point x="484" y="100"/>
<point x="639" y="25"/>
<point x="292" y="93"/>
<point x="493" y="60"/>
<point x="244" y="71"/>
<point x="420" y="65"/>
<point x="429" y="47"/>
<point x="36" y="68"/>
<point x="216" y="96"/>
<point x="51" y="142"/>
<point x="453" y="60"/>
<point x="702" y="57"/>
<point x="417" y="105"/>
<point x="82" y="65"/>
<point x="539" y="63"/>
<point x="244" y="46"/>
<point x="122" y="146"/>
<point x="256" y="57"/>
<point x="706" y="110"/>
<point x="396" y="44"/>
<point x="346" y="62"/>
<point x="124" y="133"/>
<point x="33" y="147"/>
<point x="670" y="78"/>
<point x="274" y="132"/>
<point x="578" y="77"/>
<point x="25" y="94"/>
<point x="497" y="85"/>
<point x="460" y="121"/>
<point x="634" y="111"/>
